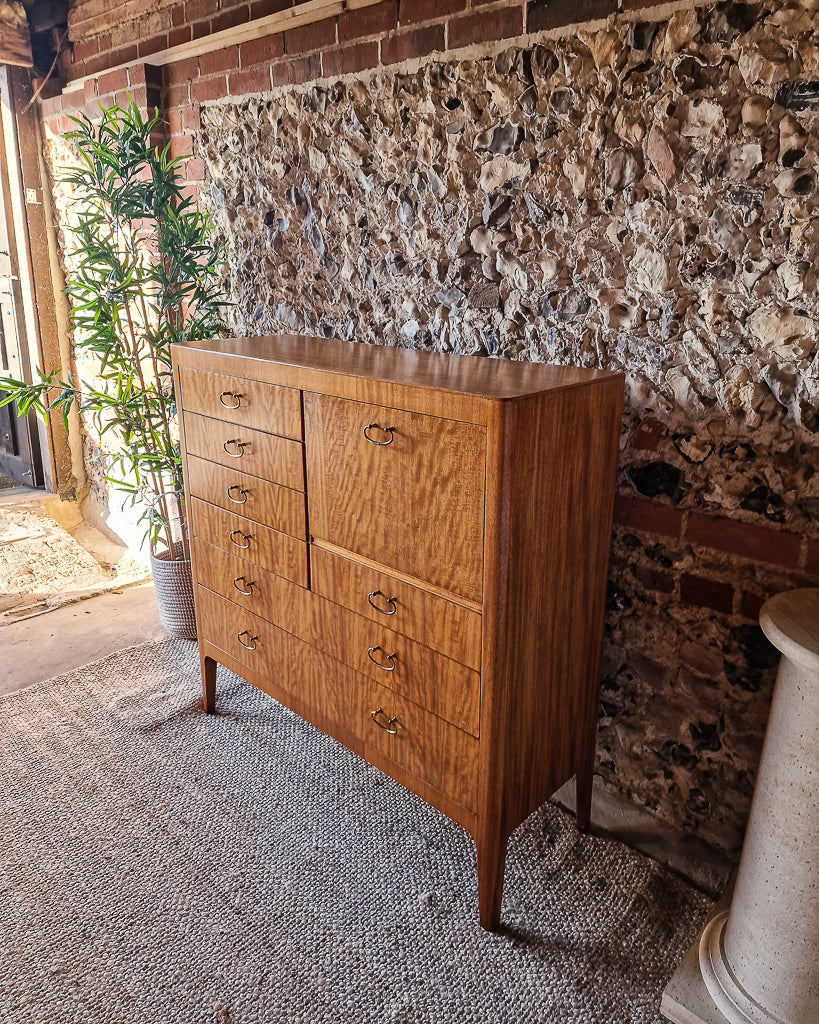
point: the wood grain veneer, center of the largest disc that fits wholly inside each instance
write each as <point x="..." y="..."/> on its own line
<point x="268" y="456"/>
<point x="413" y="500"/>
<point x="486" y="520"/>
<point x="280" y="508"/>
<point x="243" y="402"/>
<point x="446" y="627"/>
<point x="447" y="688"/>
<point x="277" y="552"/>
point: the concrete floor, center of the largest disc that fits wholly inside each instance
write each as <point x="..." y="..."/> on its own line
<point x="74" y="635"/>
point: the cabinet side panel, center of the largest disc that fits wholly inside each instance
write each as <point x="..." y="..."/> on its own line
<point x="562" y="458"/>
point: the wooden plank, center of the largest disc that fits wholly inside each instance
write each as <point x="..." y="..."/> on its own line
<point x="15" y="45"/>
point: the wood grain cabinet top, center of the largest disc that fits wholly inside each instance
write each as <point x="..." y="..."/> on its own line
<point x="410" y="550"/>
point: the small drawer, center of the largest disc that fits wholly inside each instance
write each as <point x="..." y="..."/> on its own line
<point x="289" y="664"/>
<point x="249" y="403"/>
<point x="426" y="746"/>
<point x="280" y="508"/>
<point x="261" y="592"/>
<point x="440" y="685"/>
<point x="449" y="628"/>
<point x="266" y="456"/>
<point x="252" y="542"/>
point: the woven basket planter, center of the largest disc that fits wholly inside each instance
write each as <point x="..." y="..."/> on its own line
<point x="174" y="594"/>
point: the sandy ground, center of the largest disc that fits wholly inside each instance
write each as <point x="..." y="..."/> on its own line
<point x="44" y="565"/>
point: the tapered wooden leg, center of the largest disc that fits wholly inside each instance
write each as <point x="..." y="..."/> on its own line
<point x="208" y="682"/>
<point x="584" y="779"/>
<point x="491" y="862"/>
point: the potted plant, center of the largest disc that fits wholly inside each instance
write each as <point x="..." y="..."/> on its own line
<point x="142" y="275"/>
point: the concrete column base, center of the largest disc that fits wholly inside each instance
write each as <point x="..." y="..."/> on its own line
<point x="759" y="958"/>
<point x="737" y="1006"/>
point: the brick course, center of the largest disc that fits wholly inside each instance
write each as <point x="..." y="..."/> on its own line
<point x="744" y="539"/>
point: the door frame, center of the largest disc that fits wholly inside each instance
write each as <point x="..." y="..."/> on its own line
<point x="37" y="291"/>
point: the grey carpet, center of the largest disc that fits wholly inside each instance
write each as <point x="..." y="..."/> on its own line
<point x="162" y="866"/>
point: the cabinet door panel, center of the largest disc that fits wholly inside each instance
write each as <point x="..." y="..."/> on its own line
<point x="411" y="498"/>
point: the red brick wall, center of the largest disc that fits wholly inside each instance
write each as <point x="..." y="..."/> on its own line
<point x="394" y="30"/>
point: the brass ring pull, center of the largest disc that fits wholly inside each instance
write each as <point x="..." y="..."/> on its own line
<point x="239" y="444"/>
<point x="387" y="430"/>
<point x="390" y="657"/>
<point x="390" y="721"/>
<point x="248" y="583"/>
<point x="389" y="600"/>
<point x="252" y="645"/>
<point x="241" y="490"/>
<point x="244" y="536"/>
<point x="230" y="394"/>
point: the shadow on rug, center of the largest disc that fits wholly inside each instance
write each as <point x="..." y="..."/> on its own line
<point x="160" y="865"/>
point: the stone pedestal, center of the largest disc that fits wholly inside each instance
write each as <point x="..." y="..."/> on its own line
<point x="759" y="959"/>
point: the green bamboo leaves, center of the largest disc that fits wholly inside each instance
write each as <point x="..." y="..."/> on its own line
<point x="143" y="274"/>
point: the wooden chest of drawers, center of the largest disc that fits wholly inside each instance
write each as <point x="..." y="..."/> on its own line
<point x="410" y="551"/>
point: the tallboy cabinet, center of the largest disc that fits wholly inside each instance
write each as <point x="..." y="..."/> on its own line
<point x="410" y="551"/>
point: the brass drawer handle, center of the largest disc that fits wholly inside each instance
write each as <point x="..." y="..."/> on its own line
<point x="387" y="430"/>
<point x="241" y="490"/>
<point x="389" y="600"/>
<point x="390" y="657"/>
<point x="390" y="721"/>
<point x="241" y="445"/>
<point x="252" y="645"/>
<point x="250" y="584"/>
<point x="245" y="536"/>
<point x="230" y="394"/>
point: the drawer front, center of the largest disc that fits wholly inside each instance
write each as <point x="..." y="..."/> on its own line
<point x="276" y="552"/>
<point x="411" y="498"/>
<point x="263" y="455"/>
<point x="280" y="508"/>
<point x="248" y="403"/>
<point x="260" y="592"/>
<point x="446" y="627"/>
<point x="442" y="686"/>
<point x="291" y="666"/>
<point x="429" y="748"/>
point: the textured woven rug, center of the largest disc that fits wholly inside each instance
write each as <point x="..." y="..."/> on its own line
<point x="162" y="866"/>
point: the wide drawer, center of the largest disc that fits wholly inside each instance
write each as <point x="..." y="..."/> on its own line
<point x="291" y="665"/>
<point x="249" y="403"/>
<point x="280" y="508"/>
<point x="398" y="488"/>
<point x="446" y="688"/>
<point x="266" y="456"/>
<point x="252" y="542"/>
<point x="449" y="628"/>
<point x="429" y="748"/>
<point x="442" y="686"/>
